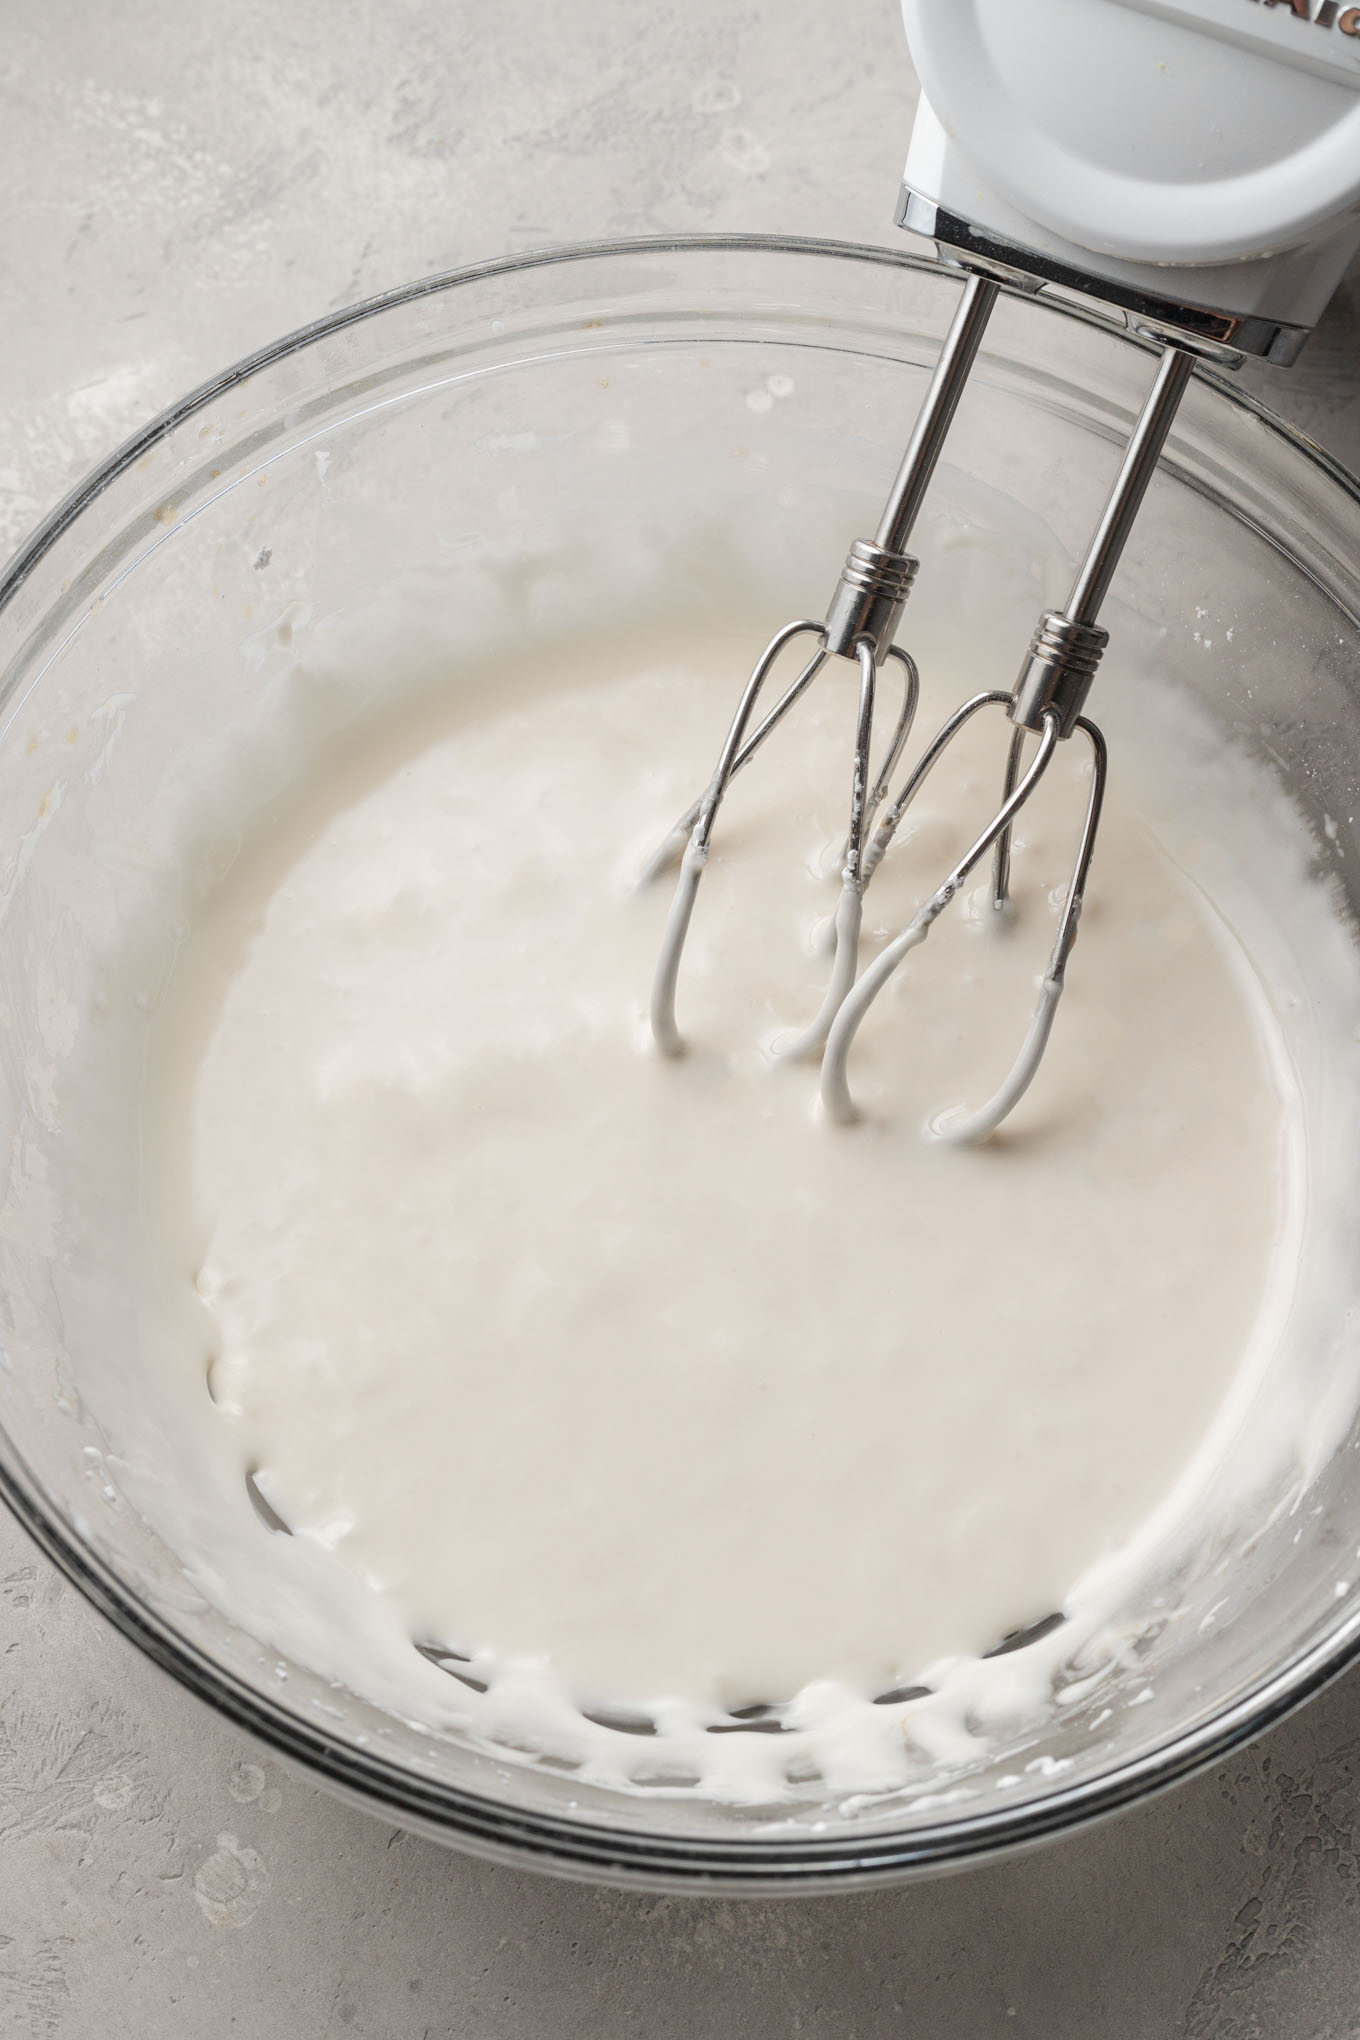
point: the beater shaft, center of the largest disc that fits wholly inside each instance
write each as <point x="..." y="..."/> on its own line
<point x="1136" y="471"/>
<point x="878" y="574"/>
<point x="919" y="462"/>
<point x="1067" y="644"/>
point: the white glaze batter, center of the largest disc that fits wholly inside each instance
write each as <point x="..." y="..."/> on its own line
<point x="566" y="1351"/>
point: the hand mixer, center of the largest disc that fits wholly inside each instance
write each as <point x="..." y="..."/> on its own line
<point x="1194" y="167"/>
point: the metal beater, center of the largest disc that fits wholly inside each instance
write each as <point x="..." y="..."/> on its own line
<point x="1222" y="234"/>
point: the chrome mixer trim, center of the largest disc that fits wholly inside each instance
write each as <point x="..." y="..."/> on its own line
<point x="1058" y="671"/>
<point x="869" y="599"/>
<point x="1223" y="337"/>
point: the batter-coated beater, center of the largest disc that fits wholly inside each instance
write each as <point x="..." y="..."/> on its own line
<point x="1194" y="167"/>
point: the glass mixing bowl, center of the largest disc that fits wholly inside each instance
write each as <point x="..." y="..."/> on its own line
<point x="632" y="425"/>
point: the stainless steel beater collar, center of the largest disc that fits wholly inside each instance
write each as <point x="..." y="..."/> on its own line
<point x="869" y="599"/>
<point x="1058" y="670"/>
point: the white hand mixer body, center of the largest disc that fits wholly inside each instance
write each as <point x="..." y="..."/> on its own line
<point x="1193" y="166"/>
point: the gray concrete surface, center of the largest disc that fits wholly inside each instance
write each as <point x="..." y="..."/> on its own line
<point x="182" y="182"/>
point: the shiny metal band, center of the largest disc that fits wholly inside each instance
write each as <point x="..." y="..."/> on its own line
<point x="1219" y="335"/>
<point x="869" y="599"/>
<point x="1058" y="670"/>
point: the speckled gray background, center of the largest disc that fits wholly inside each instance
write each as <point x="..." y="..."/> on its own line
<point x="183" y="181"/>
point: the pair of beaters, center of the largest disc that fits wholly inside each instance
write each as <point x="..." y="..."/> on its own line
<point x="1194" y="167"/>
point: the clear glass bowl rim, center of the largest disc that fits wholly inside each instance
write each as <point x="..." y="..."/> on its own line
<point x="489" y="1827"/>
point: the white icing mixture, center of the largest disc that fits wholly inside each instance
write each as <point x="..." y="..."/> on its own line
<point x="546" y="1348"/>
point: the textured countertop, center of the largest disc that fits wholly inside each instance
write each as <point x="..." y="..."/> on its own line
<point x="183" y="183"/>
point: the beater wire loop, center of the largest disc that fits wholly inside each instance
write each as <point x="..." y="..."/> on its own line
<point x="736" y="752"/>
<point x="1001" y="856"/>
<point x="922" y="770"/>
<point x="835" y="1085"/>
<point x="965" y="1129"/>
<point x="693" y="832"/>
<point x="673" y="843"/>
<point x="865" y="801"/>
<point x="902" y="730"/>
